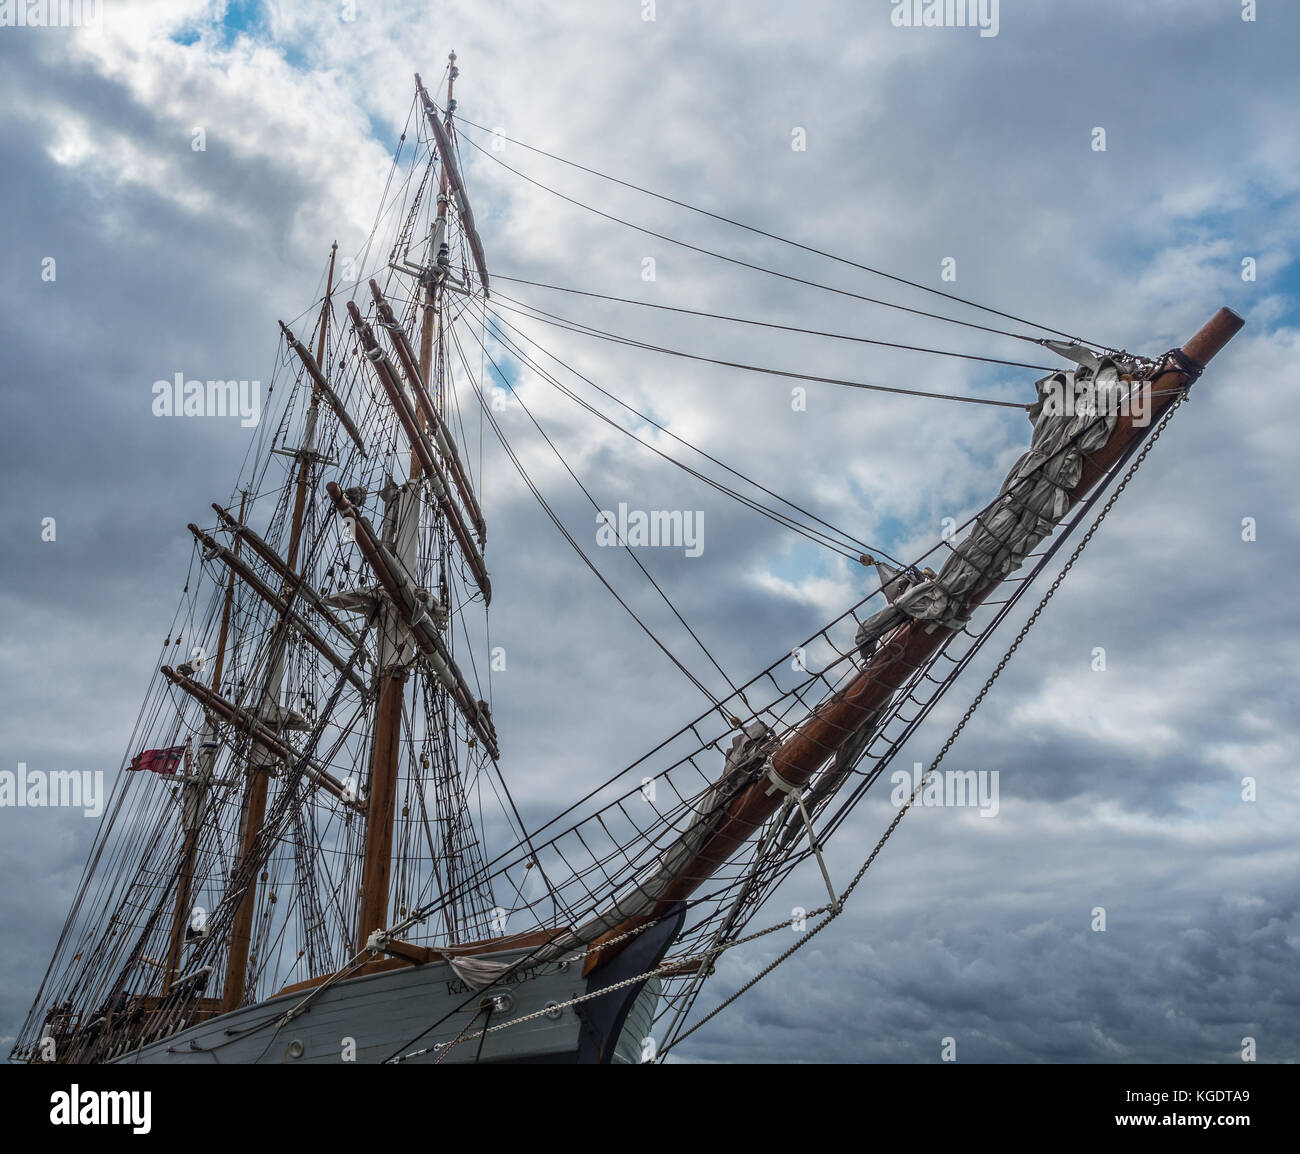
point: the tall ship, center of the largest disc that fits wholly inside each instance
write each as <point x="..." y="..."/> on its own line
<point x="312" y="852"/>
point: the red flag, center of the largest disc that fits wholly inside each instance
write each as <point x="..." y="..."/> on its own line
<point x="158" y="760"/>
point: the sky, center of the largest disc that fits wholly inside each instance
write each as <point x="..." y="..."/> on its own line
<point x="911" y="150"/>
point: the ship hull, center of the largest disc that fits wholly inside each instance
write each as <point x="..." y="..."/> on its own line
<point x="419" y="1010"/>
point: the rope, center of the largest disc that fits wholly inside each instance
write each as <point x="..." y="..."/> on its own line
<point x="771" y="235"/>
<point x="816" y="536"/>
<point x="586" y="330"/>
<point x="757" y="267"/>
<point x="760" y="324"/>
<point x="564" y="532"/>
<point x="596" y="505"/>
<point x="457" y="1039"/>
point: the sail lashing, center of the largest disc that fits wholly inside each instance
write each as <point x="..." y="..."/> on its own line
<point x="418" y="615"/>
<point x="442" y="437"/>
<point x="451" y="173"/>
<point x="386" y="374"/>
<point x="319" y="381"/>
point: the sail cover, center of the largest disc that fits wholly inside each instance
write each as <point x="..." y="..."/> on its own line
<point x="1074" y="415"/>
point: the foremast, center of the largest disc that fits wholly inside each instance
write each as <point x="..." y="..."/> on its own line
<point x="411" y="620"/>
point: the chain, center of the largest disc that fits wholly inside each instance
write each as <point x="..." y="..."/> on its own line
<point x="457" y="1039"/>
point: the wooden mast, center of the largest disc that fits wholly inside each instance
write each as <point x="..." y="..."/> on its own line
<point x="372" y="912"/>
<point x="241" y="933"/>
<point x="431" y="324"/>
<point x="429" y="312"/>
<point x="381" y="803"/>
<point x="396" y="650"/>
<point x="188" y="851"/>
<point x="192" y="805"/>
<point x="313" y="413"/>
<point x="837" y="719"/>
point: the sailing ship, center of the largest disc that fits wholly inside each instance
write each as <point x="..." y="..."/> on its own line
<point x="295" y="865"/>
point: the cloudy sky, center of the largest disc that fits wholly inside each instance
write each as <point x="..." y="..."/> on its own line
<point x="1120" y="789"/>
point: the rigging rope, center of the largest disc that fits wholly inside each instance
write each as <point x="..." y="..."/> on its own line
<point x="587" y="330"/>
<point x="814" y="535"/>
<point x="769" y="235"/>
<point x="564" y="532"/>
<point x="627" y="548"/>
<point x="757" y="323"/>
